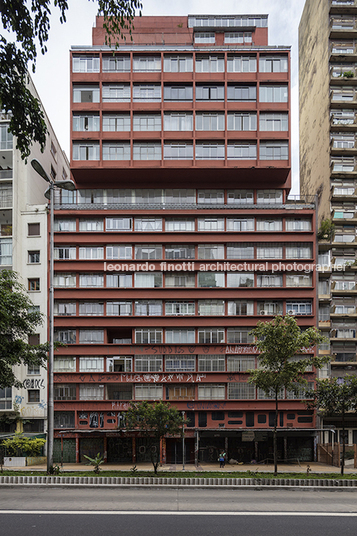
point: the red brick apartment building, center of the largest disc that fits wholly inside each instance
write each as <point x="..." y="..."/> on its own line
<point x="178" y="240"/>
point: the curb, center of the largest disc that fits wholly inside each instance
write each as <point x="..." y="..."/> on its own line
<point x="80" y="481"/>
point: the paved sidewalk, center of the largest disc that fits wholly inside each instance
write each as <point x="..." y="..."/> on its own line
<point x="259" y="468"/>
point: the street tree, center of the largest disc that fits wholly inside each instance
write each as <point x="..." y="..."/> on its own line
<point x="154" y="421"/>
<point x="281" y="361"/>
<point x="18" y="321"/>
<point x="335" y="397"/>
<point x="26" y="27"/>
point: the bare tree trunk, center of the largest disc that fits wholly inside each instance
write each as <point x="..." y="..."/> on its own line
<point x="275" y="442"/>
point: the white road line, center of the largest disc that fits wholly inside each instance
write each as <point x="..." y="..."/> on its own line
<point x="175" y="513"/>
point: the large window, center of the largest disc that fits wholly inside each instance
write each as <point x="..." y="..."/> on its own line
<point x="179" y="224"/>
<point x="148" y="336"/>
<point x="146" y="151"/>
<point x="299" y="307"/>
<point x="64" y="364"/>
<point x="91" y="308"/>
<point x="5" y="137"/>
<point x="211" y="307"/>
<point x="91" y="364"/>
<point x="210" y="251"/>
<point x="241" y="93"/>
<point x="273" y="64"/>
<point x="119" y="280"/>
<point x="67" y="336"/>
<point x="211" y="392"/>
<point x="182" y="363"/>
<point x="147" y="224"/>
<point x="241" y="64"/>
<point x="91" y="392"/>
<point x="148" y="308"/>
<point x="178" y="63"/>
<point x="146" y="63"/>
<point x="240" y="38"/>
<point x="274" y="150"/>
<point x="64" y="280"/>
<point x="179" y="252"/>
<point x="113" y="63"/>
<point x="210" y="197"/>
<point x="239" y="336"/>
<point x="178" y="121"/>
<point x="299" y="251"/>
<point x="148" y="363"/>
<point x="211" y="363"/>
<point x="210" y="224"/>
<point x="116" y="92"/>
<point x="211" y="336"/>
<point x="91" y="253"/>
<point x="209" y="121"/>
<point x="148" y="392"/>
<point x="273" y="93"/>
<point x="297" y="280"/>
<point x="64" y="253"/>
<point x="146" y="122"/>
<point x="119" y="308"/>
<point x="240" y="251"/>
<point x="85" y="150"/>
<point x="6" y="398"/>
<point x="178" y="93"/>
<point x="172" y="280"/>
<point x="148" y="252"/>
<point x="86" y="122"/>
<point x="269" y="197"/>
<point x="210" y="279"/>
<point x="91" y="336"/>
<point x="86" y="93"/>
<point x="90" y="225"/>
<point x="269" y="280"/>
<point x="205" y="38"/>
<point x="64" y="225"/>
<point x="91" y="280"/>
<point x="241" y="150"/>
<point x="240" y="364"/>
<point x="269" y="251"/>
<point x="269" y="224"/>
<point x="237" y="280"/>
<point x="65" y="308"/>
<point x="146" y="92"/>
<point x="277" y="122"/>
<point x="241" y="121"/>
<point x="240" y="224"/>
<point x="178" y="151"/>
<point x="240" y="197"/>
<point x="210" y="150"/>
<point x="116" y="122"/>
<point x="240" y="308"/>
<point x="208" y="63"/>
<point x="118" y="252"/>
<point x="180" y="336"/>
<point x="119" y="150"/>
<point x="179" y="308"/>
<point x="209" y="92"/>
<point x="118" y="224"/>
<point x="241" y="391"/>
<point x="298" y="224"/>
<point x="148" y="280"/>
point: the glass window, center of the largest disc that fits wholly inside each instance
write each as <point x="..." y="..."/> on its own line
<point x="241" y="121"/>
<point x="241" y="151"/>
<point x="33" y="284"/>
<point x="116" y="63"/>
<point x="146" y="63"/>
<point x="148" y="363"/>
<point x="179" y="308"/>
<point x="299" y="308"/>
<point x="240" y="364"/>
<point x="33" y="257"/>
<point x="273" y="93"/>
<point x="148" y="392"/>
<point x="67" y="336"/>
<point x="240" y="308"/>
<point x="172" y="280"/>
<point x="239" y="336"/>
<point x="148" y="252"/>
<point x="273" y="64"/>
<point x="240" y="280"/>
<point x="146" y="122"/>
<point x="277" y="122"/>
<point x="91" y="253"/>
<point x="241" y="391"/>
<point x="240" y="197"/>
<point x="64" y="364"/>
<point x="116" y="150"/>
<point x="91" y="364"/>
<point x="240" y="224"/>
<point x="269" y="197"/>
<point x="118" y="224"/>
<point x="209" y="63"/>
<point x="86" y="93"/>
<point x="148" y="336"/>
<point x="209" y="121"/>
<point x="146" y="151"/>
<point x="65" y="308"/>
<point x="211" y="335"/>
<point x="91" y="280"/>
<point x="209" y="92"/>
<point x="178" y="121"/>
<point x="178" y="151"/>
<point x="210" y="197"/>
<point x="270" y="307"/>
<point x="148" y="308"/>
<point x="149" y="280"/>
<point x="297" y="280"/>
<point x="148" y="224"/>
<point x="180" y="336"/>
<point x="244" y="38"/>
<point x="182" y="363"/>
<point x="86" y="122"/>
<point x="64" y="280"/>
<point x="269" y="224"/>
<point x="179" y="252"/>
<point x="241" y="93"/>
<point x="298" y="224"/>
<point x="240" y="251"/>
<point x="269" y="280"/>
<point x="146" y="92"/>
<point x="67" y="225"/>
<point x="92" y="336"/>
<point x="211" y="307"/>
<point x="178" y="93"/>
<point x="210" y="150"/>
<point x="119" y="280"/>
<point x="211" y="363"/>
<point x="210" y="224"/>
<point x="210" y="279"/>
<point x="178" y="63"/>
<point x="205" y="37"/>
<point x="211" y="392"/>
<point x="116" y="122"/>
<point x="241" y="64"/>
<point x="179" y="224"/>
<point x="91" y="225"/>
<point x="210" y="251"/>
<point x="91" y="308"/>
<point x="85" y="150"/>
<point x="269" y="251"/>
<point x="274" y="150"/>
<point x="116" y="92"/>
<point x="91" y="392"/>
<point x="298" y="251"/>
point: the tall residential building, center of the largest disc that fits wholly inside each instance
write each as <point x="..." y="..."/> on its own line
<point x="328" y="157"/>
<point x="178" y="240"/>
<point x="23" y="248"/>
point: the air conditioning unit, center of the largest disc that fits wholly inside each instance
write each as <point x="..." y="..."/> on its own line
<point x="291" y="312"/>
<point x="263" y="313"/>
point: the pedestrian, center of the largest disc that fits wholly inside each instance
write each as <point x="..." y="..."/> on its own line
<point x="221" y="460"/>
<point x="224" y="458"/>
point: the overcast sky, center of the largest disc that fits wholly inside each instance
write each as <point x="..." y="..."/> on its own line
<point x="52" y="72"/>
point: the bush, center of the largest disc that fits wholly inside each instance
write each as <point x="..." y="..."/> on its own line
<point x="23" y="446"/>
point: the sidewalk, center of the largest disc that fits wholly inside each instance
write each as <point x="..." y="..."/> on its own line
<point x="315" y="467"/>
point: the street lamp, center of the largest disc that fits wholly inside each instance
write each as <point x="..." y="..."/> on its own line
<point x="66" y="185"/>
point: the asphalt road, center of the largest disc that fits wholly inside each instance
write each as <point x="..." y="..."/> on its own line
<point x="175" y="512"/>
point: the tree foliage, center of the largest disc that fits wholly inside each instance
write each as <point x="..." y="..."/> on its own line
<point x="335" y="397"/>
<point x="19" y="445"/>
<point x="27" y="26"/>
<point x="154" y="421"/>
<point x="282" y="364"/>
<point x="18" y="320"/>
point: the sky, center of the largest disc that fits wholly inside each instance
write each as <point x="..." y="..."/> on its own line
<point x="52" y="70"/>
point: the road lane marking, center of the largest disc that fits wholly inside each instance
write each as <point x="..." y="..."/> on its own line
<point x="175" y="513"/>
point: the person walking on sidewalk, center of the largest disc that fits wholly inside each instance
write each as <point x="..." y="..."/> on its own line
<point x="221" y="460"/>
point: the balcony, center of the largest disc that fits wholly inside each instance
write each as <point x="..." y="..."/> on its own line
<point x="340" y="7"/>
<point x="5" y="251"/>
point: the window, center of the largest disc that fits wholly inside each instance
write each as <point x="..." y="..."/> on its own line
<point x="64" y="419"/>
<point x="210" y="150"/>
<point x="269" y="280"/>
<point x="270" y="307"/>
<point x="119" y="364"/>
<point x="118" y="224"/>
<point x="178" y="63"/>
<point x="116" y="122"/>
<point x="148" y="197"/>
<point x="6" y="398"/>
<point x="241" y="121"/>
<point x="116" y="150"/>
<point x="148" y="252"/>
<point x="298" y="224"/>
<point x="146" y="93"/>
<point x="273" y="64"/>
<point x="86" y="93"/>
<point x="208" y="63"/>
<point x="205" y="38"/>
<point x="33" y="370"/>
<point x="86" y="123"/>
<point x="64" y="253"/>
<point x="210" y="251"/>
<point x="178" y="121"/>
<point x="277" y="122"/>
<point x="297" y="280"/>
<point x="211" y="363"/>
<point x="211" y="392"/>
<point x="6" y="195"/>
<point x="299" y="308"/>
<point x="269" y="197"/>
<point x="241" y="64"/>
<point x="241" y="151"/>
<point x="116" y="63"/>
<point x="146" y="63"/>
<point x="241" y="391"/>
<point x="240" y="251"/>
<point x="5" y="137"/>
<point x="148" y="336"/>
<point x="64" y="364"/>
<point x="33" y="257"/>
<point x="91" y="308"/>
<point x="209" y="92"/>
<point x="148" y="392"/>
<point x="33" y="284"/>
<point x="209" y="121"/>
<point x="6" y="251"/>
<point x="91" y="280"/>
<point x="91" y="336"/>
<point x="119" y="308"/>
<point x="33" y="395"/>
<point x="148" y="280"/>
<point x="211" y="335"/>
<point x="91" y="364"/>
<point x="148" y="363"/>
<point x="91" y="392"/>
<point x="211" y="307"/>
<point x="119" y="280"/>
<point x="178" y="151"/>
<point x="240" y="308"/>
<point x="274" y="150"/>
<point x="85" y="64"/>
<point x="240" y="364"/>
<point x="148" y="308"/>
<point x="180" y="197"/>
<point x="180" y="336"/>
<point x="67" y="336"/>
<point x="210" y="224"/>
<point x="146" y="151"/>
<point x="269" y="224"/>
<point x="210" y="279"/>
<point x="298" y="251"/>
<point x="240" y="224"/>
<point x="33" y="229"/>
<point x="240" y="280"/>
<point x="147" y="122"/>
<point x="239" y="336"/>
<point x="179" y="224"/>
<point x="64" y="280"/>
<point x="85" y="150"/>
<point x="179" y="252"/>
<point x="269" y="251"/>
<point x="90" y="225"/>
<point x="273" y="93"/>
<point x="182" y="363"/>
<point x="65" y="308"/>
<point x="148" y="224"/>
<point x="64" y="225"/>
<point x="116" y="92"/>
<point x="172" y="280"/>
<point x="238" y="37"/>
<point x="178" y="93"/>
<point x="241" y="93"/>
<point x="179" y="308"/>
<point x="210" y="197"/>
<point x="64" y="392"/>
<point x="240" y="197"/>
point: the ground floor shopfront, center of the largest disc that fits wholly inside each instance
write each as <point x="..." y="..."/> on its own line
<point x="199" y="446"/>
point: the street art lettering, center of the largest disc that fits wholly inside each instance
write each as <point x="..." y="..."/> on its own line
<point x="205" y="405"/>
<point x="33" y="383"/>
